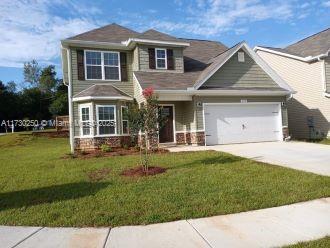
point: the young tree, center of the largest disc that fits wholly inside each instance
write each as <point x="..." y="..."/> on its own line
<point x="147" y="119"/>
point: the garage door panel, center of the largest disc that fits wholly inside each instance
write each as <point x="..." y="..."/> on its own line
<point x="240" y="123"/>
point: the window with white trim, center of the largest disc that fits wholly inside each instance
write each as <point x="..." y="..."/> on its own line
<point x="106" y="119"/>
<point x="85" y="119"/>
<point x="161" y="58"/>
<point x="102" y="65"/>
<point x="124" y="119"/>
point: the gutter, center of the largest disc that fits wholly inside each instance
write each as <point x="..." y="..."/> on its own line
<point x="191" y="92"/>
<point x="304" y="59"/>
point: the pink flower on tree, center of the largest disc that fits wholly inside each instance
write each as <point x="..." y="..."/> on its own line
<point x="148" y="92"/>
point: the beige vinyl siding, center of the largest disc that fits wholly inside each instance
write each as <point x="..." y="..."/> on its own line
<point x="307" y="80"/>
<point x="233" y="99"/>
<point x="118" y="105"/>
<point x="327" y="73"/>
<point x="144" y="58"/>
<point x="234" y="74"/>
<point x="78" y="85"/>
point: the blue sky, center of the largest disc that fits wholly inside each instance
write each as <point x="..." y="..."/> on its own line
<point x="32" y="29"/>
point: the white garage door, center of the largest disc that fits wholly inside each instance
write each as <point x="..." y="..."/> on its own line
<point x="242" y="123"/>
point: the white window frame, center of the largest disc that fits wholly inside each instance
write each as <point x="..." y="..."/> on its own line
<point x="97" y="120"/>
<point x="102" y="65"/>
<point x="161" y="49"/>
<point x="90" y="106"/>
<point x="122" y="120"/>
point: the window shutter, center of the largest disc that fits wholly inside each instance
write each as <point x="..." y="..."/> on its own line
<point x="170" y="60"/>
<point x="152" y="64"/>
<point x="123" y="66"/>
<point x="80" y="65"/>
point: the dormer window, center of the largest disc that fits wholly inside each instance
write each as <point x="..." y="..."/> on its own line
<point x="161" y="58"/>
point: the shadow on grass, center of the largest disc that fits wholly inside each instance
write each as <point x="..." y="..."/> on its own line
<point x="51" y="194"/>
<point x="213" y="160"/>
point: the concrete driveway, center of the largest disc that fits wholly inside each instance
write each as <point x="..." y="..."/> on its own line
<point x="297" y="155"/>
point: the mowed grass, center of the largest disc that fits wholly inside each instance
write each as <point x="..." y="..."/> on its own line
<point x="41" y="188"/>
<point x="320" y="243"/>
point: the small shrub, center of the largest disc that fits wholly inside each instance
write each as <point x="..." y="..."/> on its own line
<point x="106" y="148"/>
<point x="126" y="147"/>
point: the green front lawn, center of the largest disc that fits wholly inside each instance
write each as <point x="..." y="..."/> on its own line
<point x="40" y="187"/>
<point x="320" y="243"/>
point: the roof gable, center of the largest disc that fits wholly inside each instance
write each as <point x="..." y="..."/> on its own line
<point x="217" y="62"/>
<point x="113" y="33"/>
<point x="240" y="75"/>
<point x="152" y="34"/>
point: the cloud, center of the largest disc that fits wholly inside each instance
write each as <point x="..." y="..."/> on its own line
<point x="326" y="4"/>
<point x="212" y="17"/>
<point x="30" y="30"/>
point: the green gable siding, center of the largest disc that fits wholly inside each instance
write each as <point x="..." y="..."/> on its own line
<point x="234" y="74"/>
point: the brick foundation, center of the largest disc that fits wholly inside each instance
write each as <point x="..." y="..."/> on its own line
<point x="190" y="138"/>
<point x="96" y="142"/>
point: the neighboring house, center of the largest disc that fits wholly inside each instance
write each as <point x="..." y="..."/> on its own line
<point x="305" y="66"/>
<point x="209" y="94"/>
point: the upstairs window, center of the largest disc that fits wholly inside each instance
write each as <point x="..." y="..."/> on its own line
<point x="102" y="65"/>
<point x="93" y="65"/>
<point x="161" y="59"/>
<point x="241" y="57"/>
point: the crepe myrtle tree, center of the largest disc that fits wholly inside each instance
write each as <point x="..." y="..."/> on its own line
<point x="147" y="119"/>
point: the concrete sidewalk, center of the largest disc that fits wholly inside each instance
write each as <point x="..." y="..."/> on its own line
<point x="261" y="228"/>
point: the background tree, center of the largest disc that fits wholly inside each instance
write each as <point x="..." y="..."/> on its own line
<point x="31" y="72"/>
<point x="47" y="80"/>
<point x="60" y="106"/>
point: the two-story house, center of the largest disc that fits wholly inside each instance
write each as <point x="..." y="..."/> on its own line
<point x="305" y="66"/>
<point x="210" y="94"/>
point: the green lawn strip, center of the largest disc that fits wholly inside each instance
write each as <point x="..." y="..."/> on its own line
<point x="320" y="243"/>
<point x="39" y="187"/>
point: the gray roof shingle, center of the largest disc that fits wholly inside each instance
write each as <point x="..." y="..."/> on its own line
<point x="313" y="45"/>
<point x="100" y="90"/>
<point x="113" y="33"/>
<point x="152" y="34"/>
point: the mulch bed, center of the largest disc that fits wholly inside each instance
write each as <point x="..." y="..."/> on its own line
<point x="116" y="151"/>
<point x="139" y="172"/>
<point x="97" y="175"/>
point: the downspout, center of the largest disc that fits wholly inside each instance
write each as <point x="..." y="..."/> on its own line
<point x="68" y="52"/>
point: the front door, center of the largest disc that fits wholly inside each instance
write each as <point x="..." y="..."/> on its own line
<point x="166" y="131"/>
